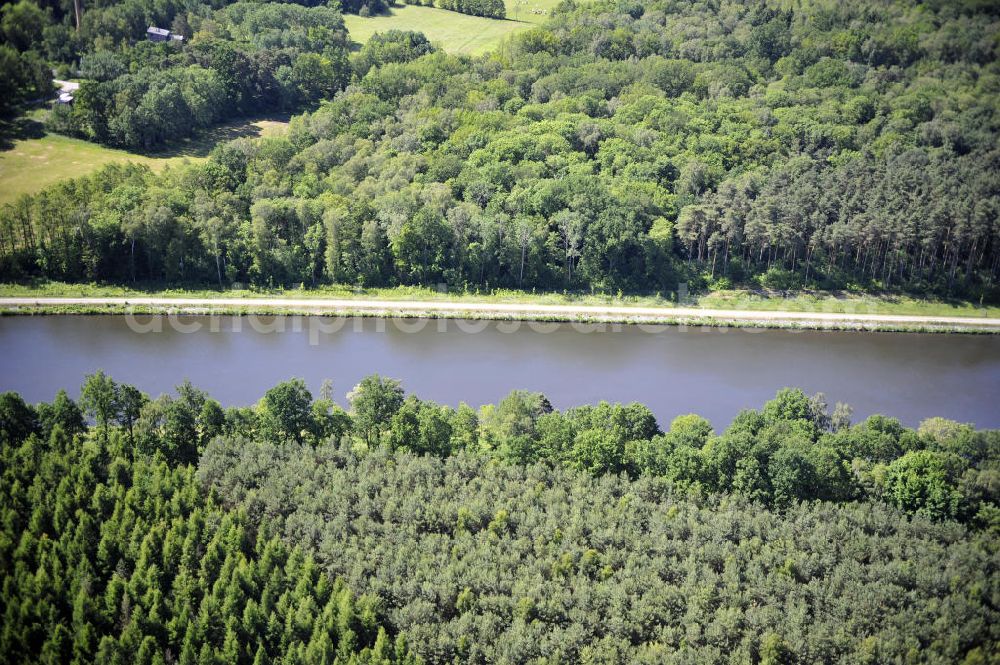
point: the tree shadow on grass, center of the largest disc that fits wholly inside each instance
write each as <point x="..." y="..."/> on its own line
<point x="22" y="127"/>
<point x="18" y="129"/>
<point x="354" y="45"/>
<point x="203" y="144"/>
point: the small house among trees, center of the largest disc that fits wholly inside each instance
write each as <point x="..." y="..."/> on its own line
<point x="155" y="34"/>
<point x="66" y="91"/>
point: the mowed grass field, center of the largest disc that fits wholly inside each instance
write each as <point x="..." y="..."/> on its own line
<point x="459" y="34"/>
<point x="456" y="33"/>
<point x="33" y="164"/>
<point x="530" y="11"/>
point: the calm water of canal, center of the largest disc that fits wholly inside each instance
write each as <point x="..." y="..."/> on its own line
<point x="714" y="372"/>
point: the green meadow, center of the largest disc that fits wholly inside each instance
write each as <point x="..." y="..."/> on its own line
<point x="32" y="164"/>
<point x="530" y="11"/>
<point x="456" y="33"/>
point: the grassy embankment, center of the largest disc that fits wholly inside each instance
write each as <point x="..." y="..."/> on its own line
<point x="32" y="164"/>
<point x="820" y="302"/>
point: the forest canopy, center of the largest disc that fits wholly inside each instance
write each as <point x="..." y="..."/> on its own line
<point x="619" y="146"/>
<point x="247" y="58"/>
<point x="139" y="530"/>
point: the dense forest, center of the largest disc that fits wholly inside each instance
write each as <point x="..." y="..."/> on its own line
<point x="174" y="530"/>
<point x="249" y="58"/>
<point x="621" y="146"/>
<point x="245" y="58"/>
<point x="109" y="556"/>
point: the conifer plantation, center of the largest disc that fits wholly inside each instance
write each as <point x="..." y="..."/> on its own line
<point x="399" y="530"/>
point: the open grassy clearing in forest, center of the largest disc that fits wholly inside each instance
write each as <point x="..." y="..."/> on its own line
<point x="32" y="164"/>
<point x="530" y="11"/>
<point x="456" y="33"/>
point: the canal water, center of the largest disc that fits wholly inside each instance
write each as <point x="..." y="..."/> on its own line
<point x="714" y="372"/>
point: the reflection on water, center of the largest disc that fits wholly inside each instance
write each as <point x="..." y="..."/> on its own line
<point x="711" y="371"/>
